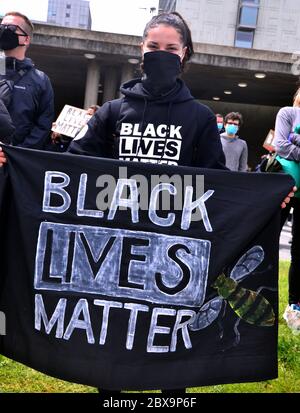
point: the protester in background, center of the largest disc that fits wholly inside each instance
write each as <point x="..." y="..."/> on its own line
<point x="31" y="107"/>
<point x="235" y="149"/>
<point x="287" y="145"/>
<point x="60" y="142"/>
<point x="220" y="122"/>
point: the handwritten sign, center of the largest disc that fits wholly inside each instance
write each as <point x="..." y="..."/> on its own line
<point x="268" y="143"/>
<point x="70" y="121"/>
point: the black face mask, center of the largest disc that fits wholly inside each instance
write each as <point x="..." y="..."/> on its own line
<point x="161" y="71"/>
<point x="9" y="39"/>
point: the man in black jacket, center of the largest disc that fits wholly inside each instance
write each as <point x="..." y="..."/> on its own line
<point x="32" y="106"/>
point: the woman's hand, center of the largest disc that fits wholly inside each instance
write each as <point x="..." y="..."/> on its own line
<point x="288" y="198"/>
<point x="3" y="159"/>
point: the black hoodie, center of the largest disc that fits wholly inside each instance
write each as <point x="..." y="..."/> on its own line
<point x="170" y="129"/>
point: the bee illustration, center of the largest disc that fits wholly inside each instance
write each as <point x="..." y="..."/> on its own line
<point x="248" y="305"/>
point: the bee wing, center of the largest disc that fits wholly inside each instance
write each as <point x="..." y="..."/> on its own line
<point x="247" y="263"/>
<point x="207" y="314"/>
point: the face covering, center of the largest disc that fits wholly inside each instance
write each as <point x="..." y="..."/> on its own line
<point x="231" y="129"/>
<point x="220" y="126"/>
<point x="161" y="71"/>
<point x="8" y="39"/>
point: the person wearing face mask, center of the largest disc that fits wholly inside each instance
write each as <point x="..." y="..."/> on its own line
<point x="235" y="149"/>
<point x="32" y="104"/>
<point x="157" y="120"/>
<point x="220" y="122"/>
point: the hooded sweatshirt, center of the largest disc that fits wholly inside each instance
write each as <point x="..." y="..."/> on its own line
<point x="287" y="147"/>
<point x="32" y="104"/>
<point x="171" y="129"/>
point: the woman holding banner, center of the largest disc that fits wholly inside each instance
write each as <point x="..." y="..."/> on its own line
<point x="158" y="121"/>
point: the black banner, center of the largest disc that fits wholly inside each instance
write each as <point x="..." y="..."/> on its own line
<point x="125" y="275"/>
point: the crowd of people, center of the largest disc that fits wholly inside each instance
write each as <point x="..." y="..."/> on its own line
<point x="160" y="98"/>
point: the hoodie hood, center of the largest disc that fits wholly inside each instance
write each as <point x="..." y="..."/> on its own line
<point x="134" y="89"/>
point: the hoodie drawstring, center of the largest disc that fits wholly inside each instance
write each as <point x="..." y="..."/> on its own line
<point x="142" y="124"/>
<point x="143" y="128"/>
<point x="168" y="131"/>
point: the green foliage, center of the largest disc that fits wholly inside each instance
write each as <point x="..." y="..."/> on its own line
<point x="17" y="378"/>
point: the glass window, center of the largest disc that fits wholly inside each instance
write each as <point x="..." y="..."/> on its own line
<point x="67" y="14"/>
<point x="250" y="2"/>
<point x="248" y="16"/>
<point x="68" y="6"/>
<point x="244" y="38"/>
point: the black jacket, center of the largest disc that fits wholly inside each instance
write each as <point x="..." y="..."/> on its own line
<point x="7" y="128"/>
<point x="173" y="129"/>
<point x="32" y="105"/>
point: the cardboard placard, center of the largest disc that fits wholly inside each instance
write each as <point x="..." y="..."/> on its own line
<point x="268" y="142"/>
<point x="70" y="121"/>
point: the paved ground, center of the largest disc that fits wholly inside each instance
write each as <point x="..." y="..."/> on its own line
<point x="284" y="246"/>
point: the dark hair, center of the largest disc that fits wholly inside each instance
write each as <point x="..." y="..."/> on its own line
<point x="219" y="115"/>
<point x="28" y="25"/>
<point x="175" y="20"/>
<point x="234" y="116"/>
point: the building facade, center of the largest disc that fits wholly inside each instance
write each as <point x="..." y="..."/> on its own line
<point x="70" y="13"/>
<point x="258" y="24"/>
<point x="167" y="5"/>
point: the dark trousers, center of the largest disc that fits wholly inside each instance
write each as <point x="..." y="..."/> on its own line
<point x="294" y="271"/>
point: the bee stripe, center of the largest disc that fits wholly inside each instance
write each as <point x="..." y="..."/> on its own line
<point x="267" y="315"/>
<point x="252" y="311"/>
<point x="242" y="300"/>
<point x="235" y="294"/>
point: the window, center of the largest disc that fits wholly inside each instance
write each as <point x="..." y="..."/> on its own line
<point x="67" y="14"/>
<point x="68" y="6"/>
<point x="244" y="38"/>
<point x="255" y="2"/>
<point x="167" y="5"/>
<point x="248" y="16"/>
<point x="246" y="23"/>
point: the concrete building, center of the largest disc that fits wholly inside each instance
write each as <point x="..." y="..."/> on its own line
<point x="167" y="5"/>
<point x="258" y="24"/>
<point x="70" y="13"/>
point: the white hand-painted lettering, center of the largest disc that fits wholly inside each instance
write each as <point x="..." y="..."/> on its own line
<point x="121" y="263"/>
<point x="67" y="321"/>
<point x="189" y="206"/>
<point x="164" y="222"/>
<point x="51" y="187"/>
